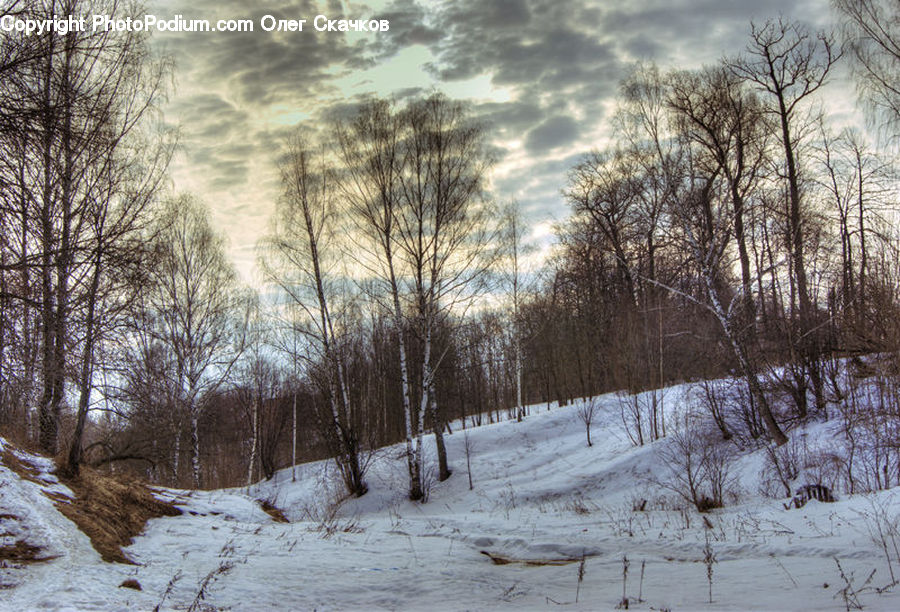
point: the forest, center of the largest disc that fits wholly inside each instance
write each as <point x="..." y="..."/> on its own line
<point x="732" y="226"/>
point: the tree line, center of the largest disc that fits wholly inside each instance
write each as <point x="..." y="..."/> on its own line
<point x="729" y="227"/>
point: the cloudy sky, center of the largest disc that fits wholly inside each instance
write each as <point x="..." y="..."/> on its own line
<point x="542" y="73"/>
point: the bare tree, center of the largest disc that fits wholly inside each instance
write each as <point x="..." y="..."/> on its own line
<point x="443" y="230"/>
<point x="414" y="180"/>
<point x="872" y="29"/>
<point x="714" y="111"/>
<point x="513" y="272"/>
<point x="254" y="373"/>
<point x="259" y="383"/>
<point x="857" y="185"/>
<point x="587" y="410"/>
<point x="193" y="311"/>
<point x="787" y="65"/>
<point x="126" y="177"/>
<point x="371" y="150"/>
<point x="301" y="259"/>
<point x="706" y="228"/>
<point x="604" y="187"/>
<point x="79" y="183"/>
<point x="287" y="339"/>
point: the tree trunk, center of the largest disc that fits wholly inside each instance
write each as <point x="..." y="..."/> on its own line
<point x="195" y="447"/>
<point x="437" y="422"/>
<point x="762" y="405"/>
<point x="86" y="377"/>
<point x="294" y="439"/>
<point x="176" y="456"/>
<point x="807" y="326"/>
<point x="47" y="422"/>
<point x="748" y="318"/>
<point x="423" y="409"/>
<point x="253" y="443"/>
<point x="518" y="366"/>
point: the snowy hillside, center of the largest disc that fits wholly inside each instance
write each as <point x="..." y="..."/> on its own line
<point x="542" y="501"/>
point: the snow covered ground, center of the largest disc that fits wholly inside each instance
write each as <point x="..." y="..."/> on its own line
<point x="540" y="495"/>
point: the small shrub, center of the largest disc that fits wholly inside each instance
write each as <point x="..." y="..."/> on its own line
<point x="587" y="411"/>
<point x="507" y="500"/>
<point x="578" y="506"/>
<point x="429" y="479"/>
<point x="884" y="530"/>
<point x="634" y="418"/>
<point x="325" y="516"/>
<point x="327" y="521"/>
<point x="131" y="583"/>
<point x="203" y="591"/>
<point x="781" y="467"/>
<point x="699" y="465"/>
<point x="709" y="559"/>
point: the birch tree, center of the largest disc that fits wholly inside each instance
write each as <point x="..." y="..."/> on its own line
<point x="371" y="151"/>
<point x="715" y="112"/>
<point x="512" y="232"/>
<point x="413" y="179"/>
<point x="443" y="230"/>
<point x="79" y="182"/>
<point x="194" y="310"/>
<point x="301" y="258"/>
<point x="706" y="228"/>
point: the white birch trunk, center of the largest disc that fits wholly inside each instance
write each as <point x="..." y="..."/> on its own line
<point x="707" y="271"/>
<point x="415" y="482"/>
<point x="423" y="406"/>
<point x="175" y="454"/>
<point x="294" y="439"/>
<point x="336" y="415"/>
<point x="520" y="405"/>
<point x="253" y="443"/>
<point x="414" y="479"/>
<point x="517" y="339"/>
<point x="195" y="447"/>
<point x="345" y="394"/>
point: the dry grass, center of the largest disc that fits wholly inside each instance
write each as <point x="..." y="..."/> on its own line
<point x="111" y="511"/>
<point x="131" y="583"/>
<point x="270" y="509"/>
<point x="501" y="560"/>
<point x="24" y="470"/>
<point x="22" y="552"/>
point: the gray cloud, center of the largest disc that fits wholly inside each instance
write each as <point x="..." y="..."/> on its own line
<point x="558" y="63"/>
<point x="408" y="27"/>
<point x="266" y="68"/>
<point x="552" y="133"/>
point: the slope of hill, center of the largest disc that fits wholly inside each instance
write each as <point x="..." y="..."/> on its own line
<point x="544" y="509"/>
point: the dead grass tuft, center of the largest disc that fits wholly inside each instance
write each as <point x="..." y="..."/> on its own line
<point x="22" y="552"/>
<point x="131" y="583"/>
<point x="501" y="560"/>
<point x="111" y="511"/>
<point x="270" y="509"/>
<point x="23" y="470"/>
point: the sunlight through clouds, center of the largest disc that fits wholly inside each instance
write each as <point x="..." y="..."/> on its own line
<point x="543" y="75"/>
